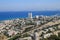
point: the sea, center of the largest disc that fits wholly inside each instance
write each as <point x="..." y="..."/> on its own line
<point x="24" y="14"/>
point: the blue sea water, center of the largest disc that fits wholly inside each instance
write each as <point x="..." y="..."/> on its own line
<point x="24" y="14"/>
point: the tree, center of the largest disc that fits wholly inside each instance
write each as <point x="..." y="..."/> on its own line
<point x="59" y="34"/>
<point x="53" y="37"/>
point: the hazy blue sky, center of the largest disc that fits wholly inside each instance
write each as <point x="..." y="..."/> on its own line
<point x="26" y="5"/>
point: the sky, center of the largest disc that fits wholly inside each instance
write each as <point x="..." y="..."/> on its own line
<point x="29" y="5"/>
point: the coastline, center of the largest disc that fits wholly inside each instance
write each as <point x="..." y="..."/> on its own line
<point x="23" y="14"/>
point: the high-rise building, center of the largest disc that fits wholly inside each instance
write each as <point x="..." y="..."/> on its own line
<point x="30" y="15"/>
